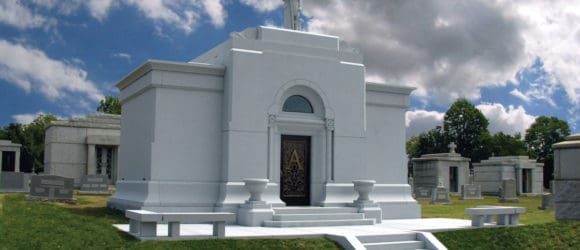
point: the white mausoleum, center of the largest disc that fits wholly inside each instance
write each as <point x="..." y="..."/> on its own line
<point x="284" y="105"/>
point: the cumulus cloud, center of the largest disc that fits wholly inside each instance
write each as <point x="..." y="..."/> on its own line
<point x="32" y="70"/>
<point x="13" y="13"/>
<point x="99" y="9"/>
<point x="520" y="95"/>
<point x="446" y="50"/>
<point x="263" y="5"/>
<point x="509" y="120"/>
<point x="419" y="121"/>
<point x="215" y="10"/>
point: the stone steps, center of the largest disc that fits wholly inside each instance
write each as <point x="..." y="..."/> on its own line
<point x="314" y="210"/>
<point x="391" y="241"/>
<point x="317" y="217"/>
<point x="298" y="217"/>
<point x="319" y="223"/>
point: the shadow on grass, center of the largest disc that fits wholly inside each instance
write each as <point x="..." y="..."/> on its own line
<point x="116" y="216"/>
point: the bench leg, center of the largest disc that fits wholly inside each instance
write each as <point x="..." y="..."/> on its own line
<point x="503" y="219"/>
<point x="515" y="219"/>
<point x="219" y="229"/>
<point x="488" y="218"/>
<point x="147" y="229"/>
<point x="134" y="226"/>
<point x="173" y="228"/>
<point x="477" y="221"/>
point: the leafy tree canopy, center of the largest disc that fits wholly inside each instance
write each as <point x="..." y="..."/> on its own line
<point x="467" y="127"/>
<point x="110" y="105"/>
<point x="31" y="137"/>
<point x="504" y="145"/>
<point x="544" y="132"/>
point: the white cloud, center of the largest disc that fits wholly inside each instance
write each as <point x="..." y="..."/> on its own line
<point x="29" y="117"/>
<point x="31" y="69"/>
<point x="122" y="56"/>
<point x="551" y="33"/>
<point x="447" y="50"/>
<point x="181" y="14"/>
<point x="215" y="10"/>
<point x="508" y="120"/>
<point x="419" y="121"/>
<point x="263" y="5"/>
<point x="13" y="13"/>
<point x="99" y="8"/>
<point x="520" y="95"/>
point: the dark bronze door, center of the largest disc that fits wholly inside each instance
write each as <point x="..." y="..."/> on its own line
<point x="295" y="170"/>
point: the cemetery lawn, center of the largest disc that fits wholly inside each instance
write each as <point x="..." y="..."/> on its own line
<point x="542" y="231"/>
<point x="88" y="225"/>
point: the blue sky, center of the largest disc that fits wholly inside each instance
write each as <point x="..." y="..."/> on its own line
<point x="515" y="60"/>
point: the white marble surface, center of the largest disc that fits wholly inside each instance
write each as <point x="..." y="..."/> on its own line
<point x="199" y="231"/>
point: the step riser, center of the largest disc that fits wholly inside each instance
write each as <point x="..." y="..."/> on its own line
<point x="387" y="238"/>
<point x="396" y="245"/>
<point x="327" y="223"/>
<point x="315" y="210"/>
<point x="293" y="217"/>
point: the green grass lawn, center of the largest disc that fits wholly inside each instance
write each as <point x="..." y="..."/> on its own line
<point x="88" y="225"/>
<point x="541" y="230"/>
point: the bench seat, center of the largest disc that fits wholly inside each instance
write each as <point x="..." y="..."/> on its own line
<point x="484" y="214"/>
<point x="143" y="223"/>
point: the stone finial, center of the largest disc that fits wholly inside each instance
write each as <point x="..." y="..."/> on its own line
<point x="452" y="147"/>
<point x="292" y="10"/>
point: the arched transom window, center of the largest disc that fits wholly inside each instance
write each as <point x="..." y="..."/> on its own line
<point x="298" y="104"/>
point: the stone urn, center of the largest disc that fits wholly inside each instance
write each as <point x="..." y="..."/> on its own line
<point x="363" y="187"/>
<point x="256" y="187"/>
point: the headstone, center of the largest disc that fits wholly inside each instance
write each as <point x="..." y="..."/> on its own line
<point x="423" y="193"/>
<point x="51" y="188"/>
<point x="14" y="182"/>
<point x="547" y="202"/>
<point x="507" y="191"/>
<point x="440" y="196"/>
<point x="471" y="192"/>
<point x="94" y="184"/>
<point x="411" y="183"/>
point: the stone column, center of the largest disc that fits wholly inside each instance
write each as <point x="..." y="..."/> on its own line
<point x="91" y="159"/>
<point x="17" y="161"/>
<point x="271" y="135"/>
<point x="329" y="149"/>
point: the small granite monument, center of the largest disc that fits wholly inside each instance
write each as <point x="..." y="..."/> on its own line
<point x="14" y="182"/>
<point x="94" y="184"/>
<point x="507" y="192"/>
<point x="440" y="195"/>
<point x="567" y="178"/>
<point x="471" y="192"/>
<point x="423" y="193"/>
<point x="51" y="188"/>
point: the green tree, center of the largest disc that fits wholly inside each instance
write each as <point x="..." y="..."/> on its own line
<point x="110" y="105"/>
<point x="467" y="127"/>
<point x="503" y="144"/>
<point x="31" y="137"/>
<point x="429" y="142"/>
<point x="540" y="137"/>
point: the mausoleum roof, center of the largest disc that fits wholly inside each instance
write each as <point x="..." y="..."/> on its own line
<point x="7" y="143"/>
<point x="520" y="161"/>
<point x="106" y="121"/>
<point x="572" y="141"/>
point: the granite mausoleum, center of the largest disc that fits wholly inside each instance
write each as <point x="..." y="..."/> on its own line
<point x="284" y="105"/>
<point x="83" y="146"/>
<point x="567" y="178"/>
<point x="451" y="169"/>
<point x="10" y="156"/>
<point x="528" y="174"/>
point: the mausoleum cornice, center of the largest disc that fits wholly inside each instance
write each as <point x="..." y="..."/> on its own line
<point x="189" y="67"/>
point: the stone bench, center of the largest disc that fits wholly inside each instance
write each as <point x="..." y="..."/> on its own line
<point x="505" y="215"/>
<point x="143" y="223"/>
